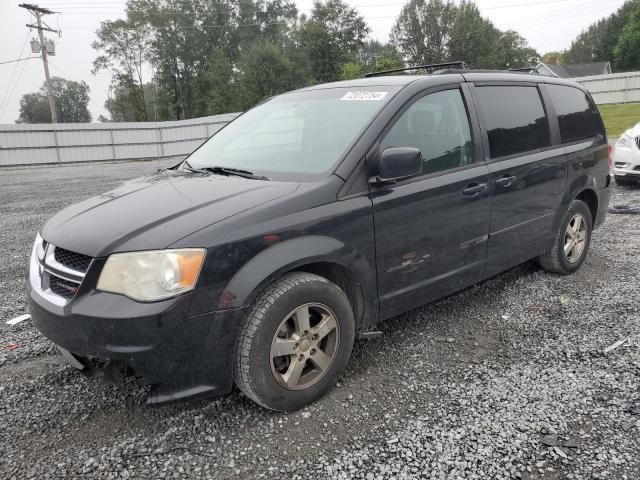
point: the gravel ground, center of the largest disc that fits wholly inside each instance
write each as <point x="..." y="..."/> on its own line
<point x="507" y="379"/>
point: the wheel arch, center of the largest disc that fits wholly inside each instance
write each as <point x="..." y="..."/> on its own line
<point x="590" y="197"/>
<point x="324" y="256"/>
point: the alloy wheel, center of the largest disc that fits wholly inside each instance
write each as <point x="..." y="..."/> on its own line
<point x="304" y="346"/>
<point x="575" y="238"/>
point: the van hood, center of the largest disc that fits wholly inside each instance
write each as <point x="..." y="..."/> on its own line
<point x="156" y="211"/>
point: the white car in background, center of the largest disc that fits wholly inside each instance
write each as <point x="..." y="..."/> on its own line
<point x="626" y="157"/>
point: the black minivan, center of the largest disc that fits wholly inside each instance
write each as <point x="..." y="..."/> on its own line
<point x="309" y="219"/>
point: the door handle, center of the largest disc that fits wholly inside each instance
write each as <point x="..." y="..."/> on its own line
<point x="474" y="190"/>
<point x="506" y="181"/>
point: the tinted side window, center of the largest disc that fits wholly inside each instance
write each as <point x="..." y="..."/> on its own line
<point x="514" y="118"/>
<point x="577" y="116"/>
<point x="437" y="125"/>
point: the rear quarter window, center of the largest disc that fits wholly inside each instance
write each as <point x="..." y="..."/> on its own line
<point x="514" y="118"/>
<point x="577" y="115"/>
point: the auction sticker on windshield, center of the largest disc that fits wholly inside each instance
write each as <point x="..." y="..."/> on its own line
<point x="366" y="96"/>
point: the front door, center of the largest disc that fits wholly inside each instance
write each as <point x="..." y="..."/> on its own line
<point x="431" y="231"/>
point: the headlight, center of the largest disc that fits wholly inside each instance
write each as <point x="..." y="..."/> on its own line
<point x="625" y="142"/>
<point x="150" y="276"/>
<point x="38" y="247"/>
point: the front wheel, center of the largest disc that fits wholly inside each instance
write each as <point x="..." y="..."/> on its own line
<point x="625" y="182"/>
<point x="572" y="241"/>
<point x="295" y="342"/>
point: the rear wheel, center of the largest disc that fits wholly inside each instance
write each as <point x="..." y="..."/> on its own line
<point x="295" y="342"/>
<point x="572" y="241"/>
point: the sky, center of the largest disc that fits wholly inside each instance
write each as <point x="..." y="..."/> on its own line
<point x="548" y="25"/>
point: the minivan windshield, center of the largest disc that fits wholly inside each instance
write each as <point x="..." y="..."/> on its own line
<point x="299" y="135"/>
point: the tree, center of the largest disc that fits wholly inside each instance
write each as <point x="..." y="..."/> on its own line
<point x="473" y="38"/>
<point x="627" y="51"/>
<point x="71" y="99"/>
<point x="598" y="42"/>
<point x="331" y="36"/>
<point x="514" y="52"/>
<point x="553" y="57"/>
<point x="123" y="45"/>
<point x="436" y="31"/>
<point x="423" y="29"/>
<point x="375" y="56"/>
<point x="263" y="72"/>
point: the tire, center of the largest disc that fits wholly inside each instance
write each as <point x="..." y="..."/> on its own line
<point x="624" y="182"/>
<point x="276" y="364"/>
<point x="556" y="260"/>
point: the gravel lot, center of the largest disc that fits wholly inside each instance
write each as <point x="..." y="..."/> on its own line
<point x="472" y="386"/>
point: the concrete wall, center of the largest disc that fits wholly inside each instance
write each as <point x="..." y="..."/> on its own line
<point x="614" y="88"/>
<point x="45" y="144"/>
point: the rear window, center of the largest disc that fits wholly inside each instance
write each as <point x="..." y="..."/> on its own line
<point x="577" y="116"/>
<point x="514" y="118"/>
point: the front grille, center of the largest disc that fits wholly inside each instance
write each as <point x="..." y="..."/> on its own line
<point x="620" y="164"/>
<point x="72" y="260"/>
<point x="62" y="288"/>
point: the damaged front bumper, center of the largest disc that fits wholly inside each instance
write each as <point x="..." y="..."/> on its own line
<point x="182" y="356"/>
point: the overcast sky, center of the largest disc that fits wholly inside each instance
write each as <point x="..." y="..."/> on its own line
<point x="546" y="24"/>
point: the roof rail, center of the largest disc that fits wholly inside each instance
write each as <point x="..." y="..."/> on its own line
<point x="429" y="68"/>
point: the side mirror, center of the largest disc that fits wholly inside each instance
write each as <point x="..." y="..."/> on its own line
<point x="398" y="163"/>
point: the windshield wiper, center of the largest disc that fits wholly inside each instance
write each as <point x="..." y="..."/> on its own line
<point x="227" y="171"/>
<point x="234" y="171"/>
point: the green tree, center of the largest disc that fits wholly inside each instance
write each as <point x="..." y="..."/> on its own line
<point x="350" y="70"/>
<point x="331" y="36"/>
<point x="263" y="72"/>
<point x="375" y="56"/>
<point x="71" y="99"/>
<point x="122" y="47"/>
<point x="598" y="42"/>
<point x="473" y="38"/>
<point x="423" y="29"/>
<point x="514" y="52"/>
<point x="627" y="51"/>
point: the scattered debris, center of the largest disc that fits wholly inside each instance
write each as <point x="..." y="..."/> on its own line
<point x="619" y="343"/>
<point x="628" y="209"/>
<point x="506" y="317"/>
<point x="393" y="440"/>
<point x="186" y="446"/>
<point x="550" y="440"/>
<point x="21" y="318"/>
<point x="11" y="346"/>
<point x="451" y="340"/>
<point x="570" y="443"/>
<point x="563" y="300"/>
<point x="306" y="414"/>
<point x="628" y="426"/>
<point x="560" y="452"/>
<point x="634" y="409"/>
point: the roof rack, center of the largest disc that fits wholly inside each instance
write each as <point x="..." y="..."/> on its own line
<point x="429" y="68"/>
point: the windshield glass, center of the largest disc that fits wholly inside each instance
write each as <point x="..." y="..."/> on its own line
<point x="303" y="133"/>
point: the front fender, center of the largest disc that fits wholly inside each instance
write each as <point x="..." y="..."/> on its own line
<point x="283" y="257"/>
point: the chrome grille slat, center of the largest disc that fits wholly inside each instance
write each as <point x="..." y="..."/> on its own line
<point x="59" y="274"/>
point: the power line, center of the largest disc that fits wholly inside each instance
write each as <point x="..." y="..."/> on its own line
<point x="13" y="73"/>
<point x="18" y="60"/>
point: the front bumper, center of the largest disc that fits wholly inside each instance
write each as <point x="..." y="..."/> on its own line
<point x="626" y="161"/>
<point x="182" y="356"/>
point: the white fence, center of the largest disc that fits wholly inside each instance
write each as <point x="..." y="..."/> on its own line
<point x="615" y="88"/>
<point x="46" y="144"/>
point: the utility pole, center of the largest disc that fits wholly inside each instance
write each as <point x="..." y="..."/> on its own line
<point x="39" y="12"/>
